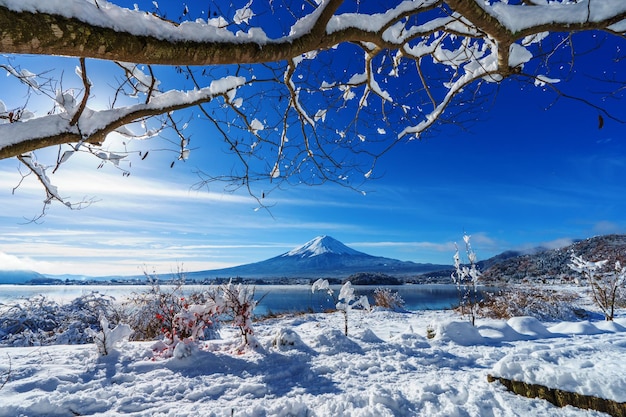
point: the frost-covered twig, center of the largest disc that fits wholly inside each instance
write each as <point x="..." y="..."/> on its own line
<point x="106" y="340"/>
<point x="51" y="190"/>
<point x="6" y="374"/>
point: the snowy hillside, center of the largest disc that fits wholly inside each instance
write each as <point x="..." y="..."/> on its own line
<point x="553" y="264"/>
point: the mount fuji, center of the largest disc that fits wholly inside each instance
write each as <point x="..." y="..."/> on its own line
<point x="322" y="256"/>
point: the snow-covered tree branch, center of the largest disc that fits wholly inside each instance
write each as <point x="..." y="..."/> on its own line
<point x="604" y="285"/>
<point x="308" y="92"/>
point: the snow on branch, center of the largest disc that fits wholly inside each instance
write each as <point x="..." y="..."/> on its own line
<point x="93" y="126"/>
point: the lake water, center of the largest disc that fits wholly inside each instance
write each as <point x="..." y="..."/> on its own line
<point x="274" y="298"/>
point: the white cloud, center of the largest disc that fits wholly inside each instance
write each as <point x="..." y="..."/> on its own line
<point x="11" y="262"/>
<point x="430" y="246"/>
<point x="606" y="227"/>
<point x="557" y="243"/>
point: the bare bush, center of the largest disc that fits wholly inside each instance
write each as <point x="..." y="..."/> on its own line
<point x="385" y="298"/>
<point x="237" y="302"/>
<point x="604" y="285"/>
<point x="543" y="304"/>
<point x="39" y="321"/>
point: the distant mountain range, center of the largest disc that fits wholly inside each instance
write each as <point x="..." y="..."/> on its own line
<point x="329" y="258"/>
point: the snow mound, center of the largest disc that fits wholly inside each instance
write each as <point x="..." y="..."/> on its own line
<point x="578" y="328"/>
<point x="334" y="342"/>
<point x="529" y="326"/>
<point x="461" y="333"/>
<point x="411" y="340"/>
<point x="500" y="332"/>
<point x="368" y="336"/>
<point x="610" y="326"/>
<point x="286" y="338"/>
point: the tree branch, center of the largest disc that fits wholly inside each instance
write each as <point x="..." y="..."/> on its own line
<point x="56" y="130"/>
<point x="83" y="102"/>
<point x="44" y="33"/>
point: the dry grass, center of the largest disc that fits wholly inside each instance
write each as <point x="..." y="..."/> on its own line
<point x="385" y="298"/>
<point x="543" y="304"/>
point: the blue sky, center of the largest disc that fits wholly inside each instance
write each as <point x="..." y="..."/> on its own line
<point x="519" y="175"/>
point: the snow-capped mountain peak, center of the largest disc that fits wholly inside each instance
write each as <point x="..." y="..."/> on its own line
<point x="321" y="245"/>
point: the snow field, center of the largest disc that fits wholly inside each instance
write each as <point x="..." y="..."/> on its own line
<point x="306" y="366"/>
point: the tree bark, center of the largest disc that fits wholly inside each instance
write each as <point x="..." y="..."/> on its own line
<point x="48" y="34"/>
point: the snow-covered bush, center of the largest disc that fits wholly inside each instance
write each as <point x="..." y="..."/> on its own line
<point x="107" y="339"/>
<point x="385" y="298"/>
<point x="604" y="285"/>
<point x="41" y="321"/>
<point x="345" y="301"/>
<point x="161" y="310"/>
<point x="465" y="277"/>
<point x="285" y="338"/>
<point x="178" y="316"/>
<point x="193" y="320"/>
<point x="238" y="304"/>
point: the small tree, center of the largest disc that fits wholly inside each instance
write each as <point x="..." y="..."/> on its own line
<point x="346" y="299"/>
<point x="238" y="303"/>
<point x="604" y="286"/>
<point x="466" y="279"/>
<point x="107" y="339"/>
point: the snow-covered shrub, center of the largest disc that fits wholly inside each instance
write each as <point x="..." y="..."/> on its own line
<point x="345" y="301"/>
<point x="430" y="332"/>
<point x="192" y="321"/>
<point x="107" y="339"/>
<point x="465" y="277"/>
<point x="543" y="304"/>
<point x="385" y="298"/>
<point x="461" y="333"/>
<point x="605" y="285"/>
<point x="161" y="310"/>
<point x="177" y="316"/>
<point x="238" y="304"/>
<point x="286" y="337"/>
<point x="84" y="313"/>
<point x="41" y="321"/>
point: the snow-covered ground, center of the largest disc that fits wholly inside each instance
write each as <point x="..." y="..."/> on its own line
<point x="386" y="367"/>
